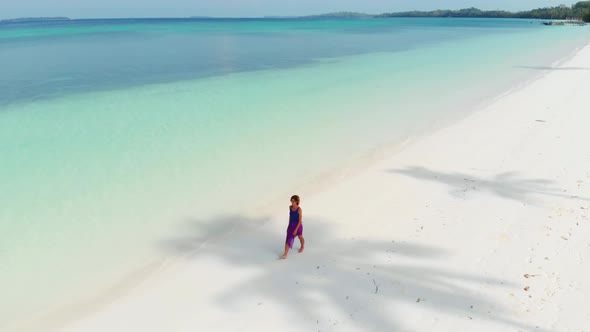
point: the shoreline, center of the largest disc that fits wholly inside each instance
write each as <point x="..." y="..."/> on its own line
<point x="347" y="176"/>
<point x="385" y="151"/>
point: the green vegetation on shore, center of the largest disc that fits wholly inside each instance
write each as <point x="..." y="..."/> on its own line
<point x="579" y="10"/>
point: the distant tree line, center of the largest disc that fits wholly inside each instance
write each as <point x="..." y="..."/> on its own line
<point x="580" y="10"/>
<point x="34" y="19"/>
<point x="341" y="15"/>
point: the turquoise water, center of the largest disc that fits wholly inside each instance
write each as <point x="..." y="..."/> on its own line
<point x="113" y="133"/>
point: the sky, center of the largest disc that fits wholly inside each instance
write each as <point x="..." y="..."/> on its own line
<point x="241" y="8"/>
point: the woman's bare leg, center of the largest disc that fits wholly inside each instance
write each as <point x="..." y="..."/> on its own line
<point x="284" y="256"/>
<point x="302" y="241"/>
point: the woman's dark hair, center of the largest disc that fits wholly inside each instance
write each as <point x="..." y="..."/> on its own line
<point x="295" y="198"/>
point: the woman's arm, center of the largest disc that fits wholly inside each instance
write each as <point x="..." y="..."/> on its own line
<point x="299" y="223"/>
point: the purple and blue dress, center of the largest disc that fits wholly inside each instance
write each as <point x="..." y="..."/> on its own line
<point x="293" y="221"/>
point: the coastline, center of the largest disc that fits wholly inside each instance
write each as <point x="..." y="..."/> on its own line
<point x="367" y="190"/>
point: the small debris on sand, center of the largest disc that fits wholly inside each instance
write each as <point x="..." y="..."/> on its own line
<point x="526" y="289"/>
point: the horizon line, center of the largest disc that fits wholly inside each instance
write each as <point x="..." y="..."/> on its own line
<point x="263" y="16"/>
<point x="41" y="18"/>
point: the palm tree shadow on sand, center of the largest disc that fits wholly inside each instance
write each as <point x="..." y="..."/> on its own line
<point x="508" y="185"/>
<point x="360" y="280"/>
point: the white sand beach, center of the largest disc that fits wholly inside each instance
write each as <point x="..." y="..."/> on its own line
<point x="483" y="225"/>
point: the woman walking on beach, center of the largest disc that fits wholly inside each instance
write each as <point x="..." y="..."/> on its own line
<point x="295" y="226"/>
